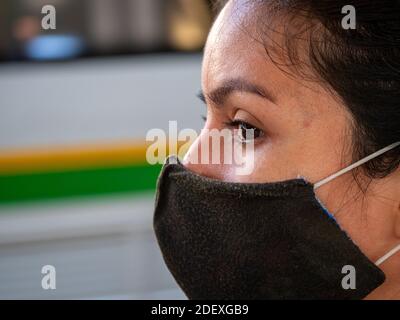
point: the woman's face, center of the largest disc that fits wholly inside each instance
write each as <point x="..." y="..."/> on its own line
<point x="302" y="129"/>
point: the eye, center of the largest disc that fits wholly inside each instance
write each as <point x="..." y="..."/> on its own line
<point x="246" y="132"/>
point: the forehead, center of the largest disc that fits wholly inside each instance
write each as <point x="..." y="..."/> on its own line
<point x="236" y="49"/>
<point x="229" y="42"/>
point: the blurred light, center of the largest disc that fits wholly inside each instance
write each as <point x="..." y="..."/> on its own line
<point x="189" y="24"/>
<point x="26" y="28"/>
<point x="54" y="47"/>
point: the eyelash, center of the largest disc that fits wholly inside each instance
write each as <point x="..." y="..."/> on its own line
<point x="241" y="125"/>
<point x="234" y="123"/>
<point x="200" y="95"/>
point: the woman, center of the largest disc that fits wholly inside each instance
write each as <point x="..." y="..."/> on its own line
<point x="317" y="97"/>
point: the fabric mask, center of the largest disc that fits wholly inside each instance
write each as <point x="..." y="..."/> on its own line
<point x="223" y="240"/>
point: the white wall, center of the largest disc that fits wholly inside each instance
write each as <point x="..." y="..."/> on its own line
<point x="99" y="99"/>
<point x="101" y="247"/>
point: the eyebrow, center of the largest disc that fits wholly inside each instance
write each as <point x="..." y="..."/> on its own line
<point x="220" y="94"/>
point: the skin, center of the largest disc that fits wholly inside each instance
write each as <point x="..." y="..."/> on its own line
<point x="306" y="131"/>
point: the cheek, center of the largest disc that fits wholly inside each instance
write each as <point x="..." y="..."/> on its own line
<point x="266" y="166"/>
<point x="309" y="149"/>
<point x="270" y="166"/>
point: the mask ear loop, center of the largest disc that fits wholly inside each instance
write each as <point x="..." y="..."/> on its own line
<point x="387" y="255"/>
<point x="355" y="165"/>
<point x="351" y="167"/>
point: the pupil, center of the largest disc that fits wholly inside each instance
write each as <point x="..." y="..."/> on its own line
<point x="243" y="127"/>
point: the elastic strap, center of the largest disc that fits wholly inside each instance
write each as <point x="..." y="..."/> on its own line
<point x="387" y="255"/>
<point x="355" y="165"/>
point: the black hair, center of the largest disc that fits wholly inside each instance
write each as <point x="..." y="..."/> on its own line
<point x="361" y="66"/>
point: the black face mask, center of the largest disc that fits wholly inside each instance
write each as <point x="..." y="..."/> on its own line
<point x="224" y="240"/>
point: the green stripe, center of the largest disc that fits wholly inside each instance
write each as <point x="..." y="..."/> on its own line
<point x="53" y="185"/>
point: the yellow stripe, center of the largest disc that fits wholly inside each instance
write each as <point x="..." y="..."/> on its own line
<point x="56" y="158"/>
<point x="71" y="157"/>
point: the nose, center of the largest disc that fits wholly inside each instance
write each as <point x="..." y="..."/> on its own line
<point x="202" y="158"/>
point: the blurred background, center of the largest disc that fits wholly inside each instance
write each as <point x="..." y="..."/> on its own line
<point x="76" y="103"/>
